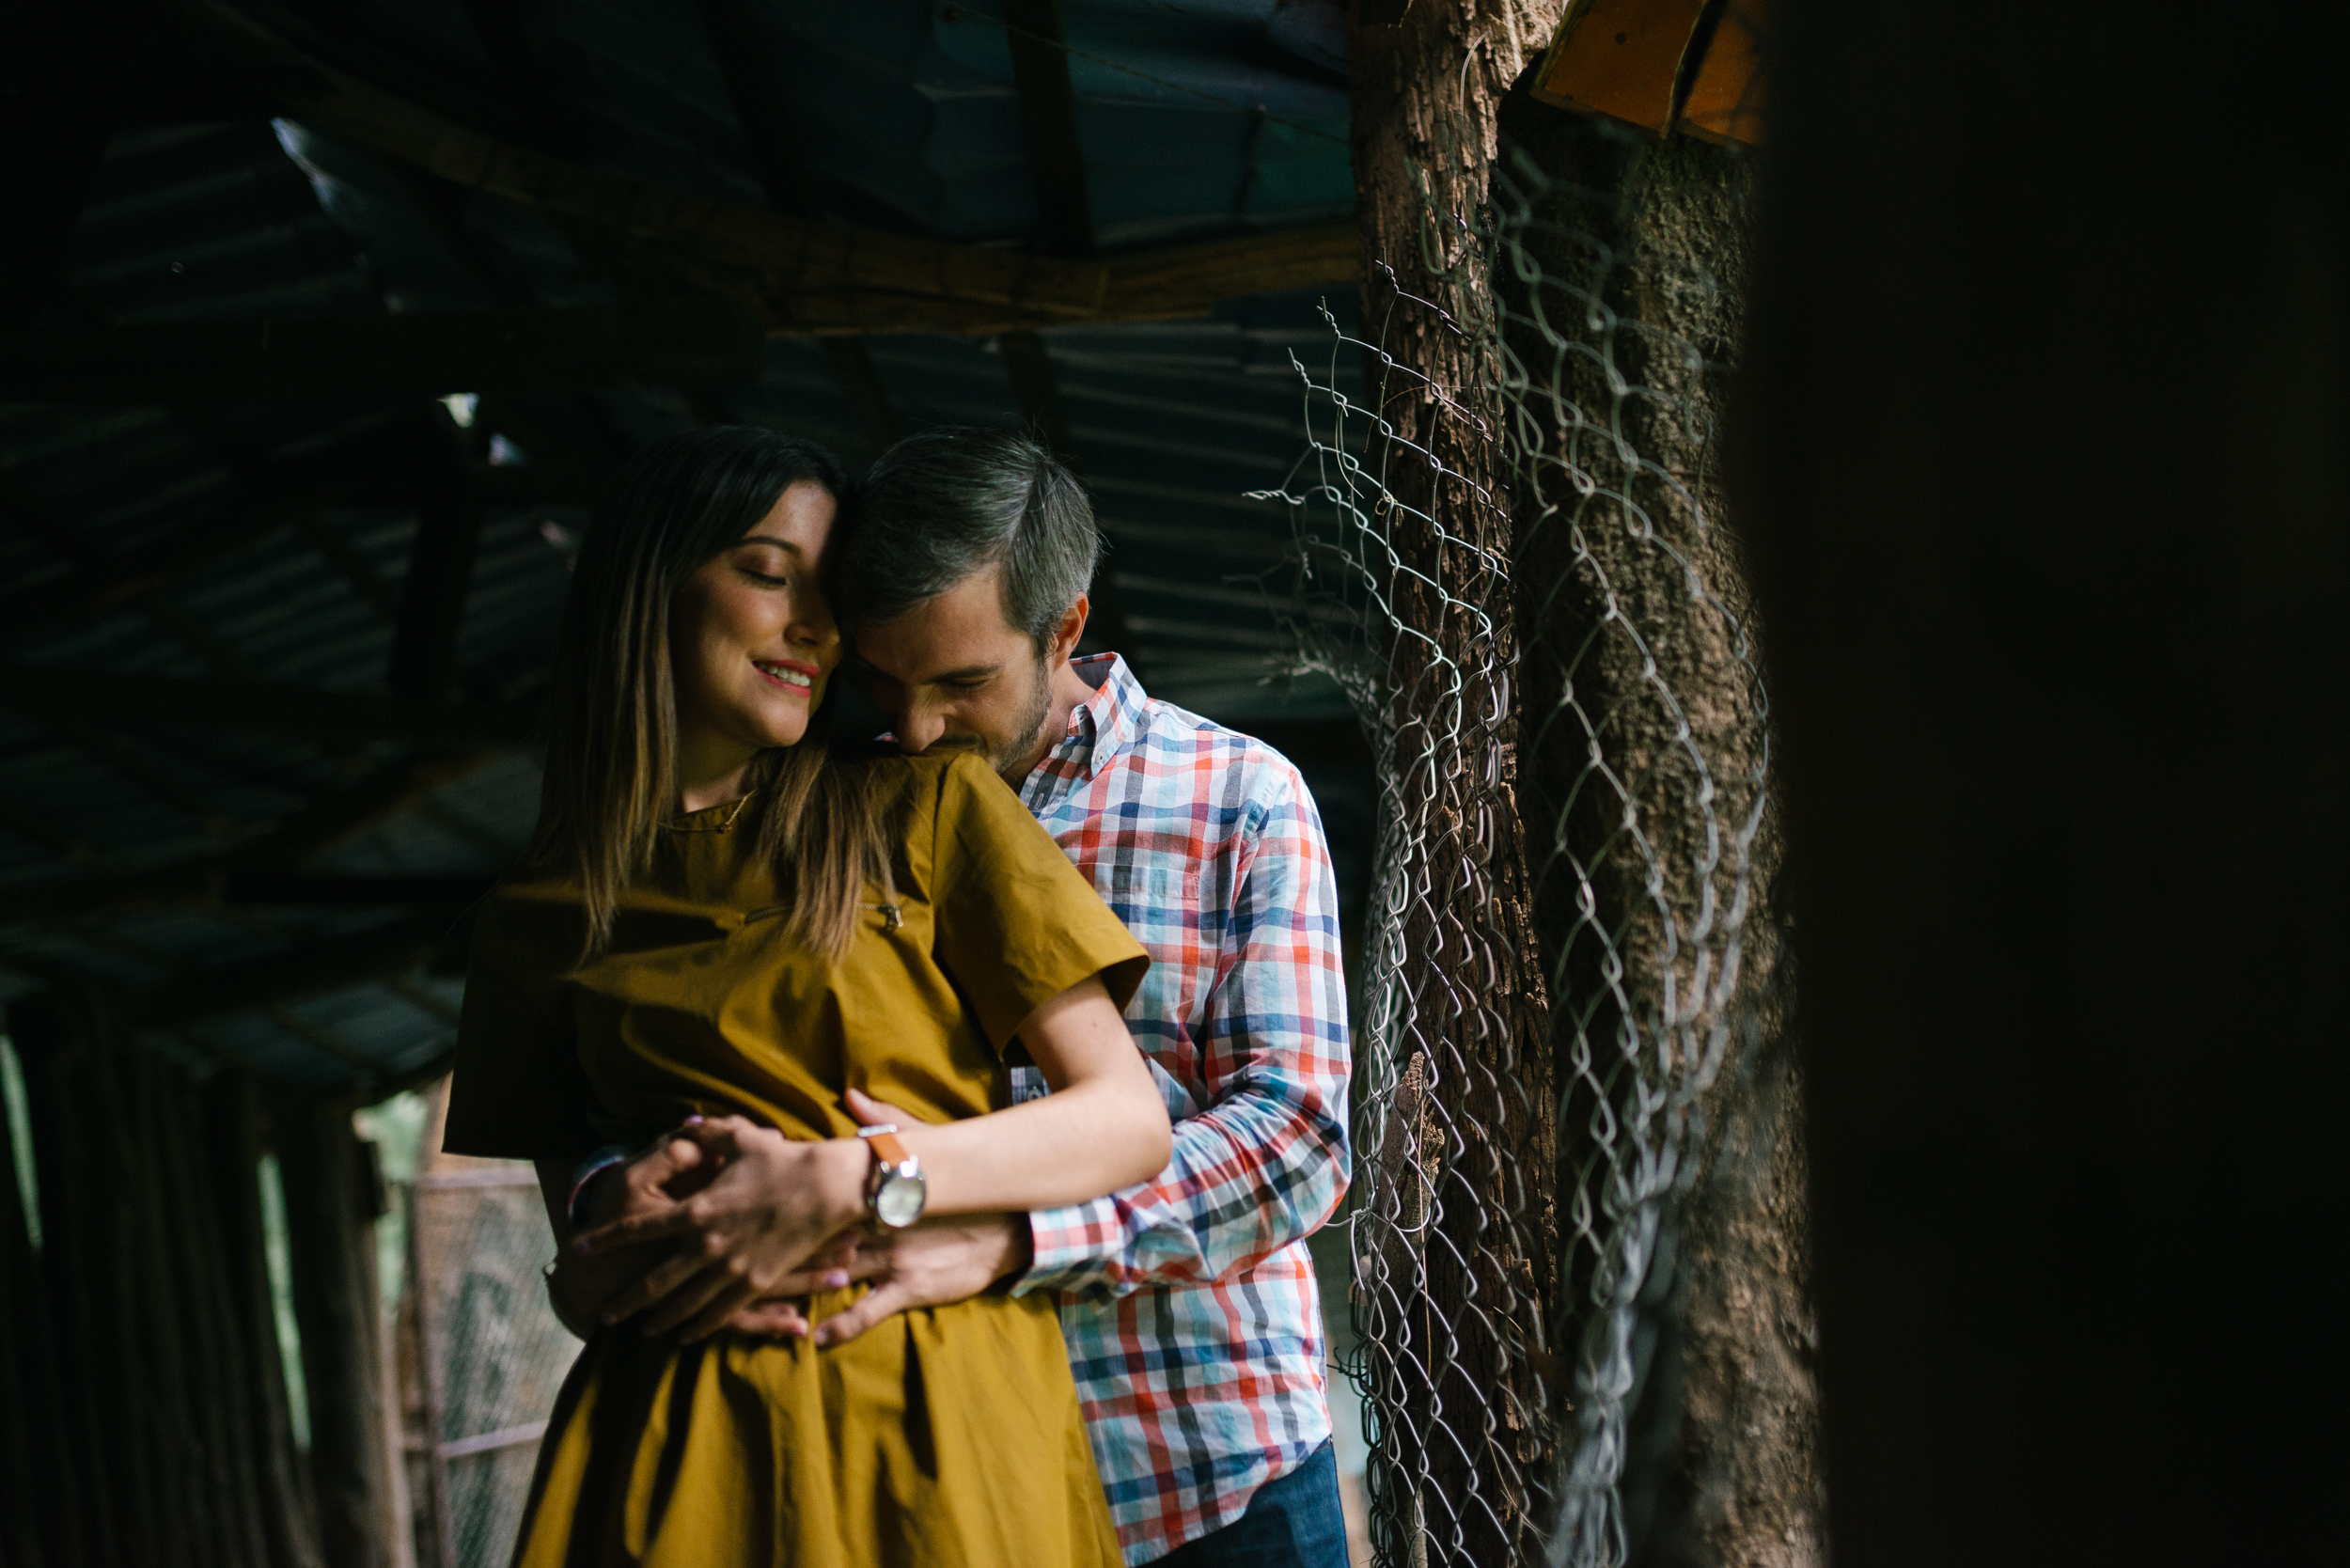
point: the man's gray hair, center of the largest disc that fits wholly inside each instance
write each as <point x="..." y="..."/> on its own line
<point x="952" y="501"/>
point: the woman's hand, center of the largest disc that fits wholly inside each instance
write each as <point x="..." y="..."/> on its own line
<point x="754" y="1232"/>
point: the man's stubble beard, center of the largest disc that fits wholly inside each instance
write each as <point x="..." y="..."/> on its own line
<point x="1012" y="763"/>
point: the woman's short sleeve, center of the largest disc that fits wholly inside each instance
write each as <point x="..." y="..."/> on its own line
<point x="1016" y="924"/>
<point x="518" y="1092"/>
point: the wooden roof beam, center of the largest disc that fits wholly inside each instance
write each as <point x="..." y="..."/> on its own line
<point x="1048" y="123"/>
<point x="799" y="276"/>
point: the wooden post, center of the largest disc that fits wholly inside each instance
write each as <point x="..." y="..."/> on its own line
<point x="232" y="1144"/>
<point x="33" y="1463"/>
<point x="220" y="1381"/>
<point x="439" y="569"/>
<point x="1465" y="1479"/>
<point x="330" y="1224"/>
<point x="95" y="1331"/>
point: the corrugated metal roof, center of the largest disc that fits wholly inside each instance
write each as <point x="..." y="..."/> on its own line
<point x="1197" y="119"/>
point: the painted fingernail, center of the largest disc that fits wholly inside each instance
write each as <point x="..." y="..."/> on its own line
<point x="838" y="1280"/>
<point x="693" y="1121"/>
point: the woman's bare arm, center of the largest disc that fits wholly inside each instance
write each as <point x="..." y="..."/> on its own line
<point x="776" y="1200"/>
<point x="1102" y="1128"/>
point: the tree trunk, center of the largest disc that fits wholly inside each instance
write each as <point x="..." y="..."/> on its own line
<point x="1658" y="855"/>
<point x="1464" y="1273"/>
<point x="330" y="1234"/>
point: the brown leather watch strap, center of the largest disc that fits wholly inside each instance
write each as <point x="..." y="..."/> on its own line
<point x="885" y="1144"/>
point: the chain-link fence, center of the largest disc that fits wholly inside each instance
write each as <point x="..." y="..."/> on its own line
<point x="1567" y="1081"/>
<point x="493" y="1354"/>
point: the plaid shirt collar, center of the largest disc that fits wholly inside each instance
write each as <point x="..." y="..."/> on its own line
<point x="1100" y="728"/>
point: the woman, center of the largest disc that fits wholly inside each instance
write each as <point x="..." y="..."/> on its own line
<point x="726" y="915"/>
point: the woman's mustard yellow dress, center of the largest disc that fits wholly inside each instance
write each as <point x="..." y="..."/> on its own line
<point x="945" y="1437"/>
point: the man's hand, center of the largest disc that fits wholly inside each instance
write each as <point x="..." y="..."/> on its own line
<point x="933" y="1264"/>
<point x="653" y="1181"/>
<point x="762" y="1226"/>
<point x="655" y="1176"/>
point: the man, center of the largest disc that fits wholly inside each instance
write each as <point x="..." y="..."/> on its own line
<point x="1188" y="1304"/>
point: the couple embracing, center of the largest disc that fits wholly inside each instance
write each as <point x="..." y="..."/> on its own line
<point x="931" y="1126"/>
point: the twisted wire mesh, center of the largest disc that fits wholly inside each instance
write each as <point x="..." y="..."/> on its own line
<point x="1520" y="579"/>
<point x="495" y="1353"/>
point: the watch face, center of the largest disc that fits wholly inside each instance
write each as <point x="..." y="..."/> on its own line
<point x="899" y="1203"/>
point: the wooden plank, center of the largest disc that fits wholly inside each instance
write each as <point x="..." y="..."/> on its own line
<point x="1048" y="124"/>
<point x="1729" y="98"/>
<point x="802" y="276"/>
<point x="1620" y="58"/>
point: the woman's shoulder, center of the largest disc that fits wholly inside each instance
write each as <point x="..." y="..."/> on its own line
<point x="946" y="779"/>
<point x="919" y="781"/>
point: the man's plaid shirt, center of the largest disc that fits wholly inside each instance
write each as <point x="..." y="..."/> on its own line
<point x="1189" y="1305"/>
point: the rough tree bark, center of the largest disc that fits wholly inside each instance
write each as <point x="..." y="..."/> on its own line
<point x="1470" y="1143"/>
<point x="1625" y="662"/>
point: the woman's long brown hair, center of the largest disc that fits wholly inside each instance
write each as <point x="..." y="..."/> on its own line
<point x="611" y="778"/>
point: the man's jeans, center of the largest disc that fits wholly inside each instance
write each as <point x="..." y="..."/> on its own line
<point x="1294" y="1522"/>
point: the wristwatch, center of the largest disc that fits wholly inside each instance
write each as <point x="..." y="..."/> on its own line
<point x="895" y="1192"/>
